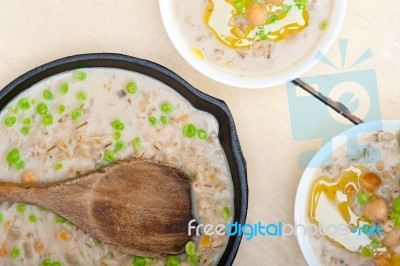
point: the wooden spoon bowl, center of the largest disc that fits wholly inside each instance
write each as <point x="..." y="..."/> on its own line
<point x="141" y="207"/>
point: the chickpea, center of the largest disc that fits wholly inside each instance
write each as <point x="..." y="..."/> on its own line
<point x="350" y="190"/>
<point x="3" y="250"/>
<point x="65" y="235"/>
<point x="376" y="209"/>
<point x="370" y="181"/>
<point x="387" y="225"/>
<point x="38" y="246"/>
<point x="29" y="178"/>
<point x="391" y="238"/>
<point x="257" y="14"/>
<point x="275" y="2"/>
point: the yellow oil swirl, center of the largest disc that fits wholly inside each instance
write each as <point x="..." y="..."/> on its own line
<point x="338" y="192"/>
<point x="331" y="201"/>
<point x="220" y="14"/>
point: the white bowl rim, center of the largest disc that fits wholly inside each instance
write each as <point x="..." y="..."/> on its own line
<point x="309" y="174"/>
<point x="306" y="64"/>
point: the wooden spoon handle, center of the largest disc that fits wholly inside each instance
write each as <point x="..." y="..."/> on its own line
<point x="18" y="193"/>
<point x="65" y="198"/>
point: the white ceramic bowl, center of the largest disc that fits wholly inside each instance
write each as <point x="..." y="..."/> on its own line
<point x="307" y="62"/>
<point x="309" y="175"/>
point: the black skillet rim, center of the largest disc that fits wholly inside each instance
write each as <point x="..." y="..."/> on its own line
<point x="199" y="100"/>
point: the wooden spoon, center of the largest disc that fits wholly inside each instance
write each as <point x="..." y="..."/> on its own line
<point x="141" y="207"/>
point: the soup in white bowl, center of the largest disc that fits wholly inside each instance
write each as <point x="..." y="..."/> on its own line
<point x="252" y="44"/>
<point x="354" y="198"/>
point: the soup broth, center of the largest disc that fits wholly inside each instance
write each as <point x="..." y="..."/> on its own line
<point x="78" y="121"/>
<point x="215" y="33"/>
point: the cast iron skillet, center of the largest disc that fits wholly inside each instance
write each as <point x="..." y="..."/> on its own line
<point x="227" y="135"/>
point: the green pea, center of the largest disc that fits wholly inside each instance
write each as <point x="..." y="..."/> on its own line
<point x="15" y="252"/>
<point x="20" y="165"/>
<point x="150" y="261"/>
<point x="56" y="263"/>
<point x="376" y="244"/>
<point x="190" y="248"/>
<point x="61" y="108"/>
<point x="192" y="175"/>
<point x="164" y="120"/>
<point x="24" y="104"/>
<point x="117" y="135"/>
<point x="59" y="219"/>
<point x="131" y="88"/>
<point x="189" y="130"/>
<point x="396" y="220"/>
<point x="173" y="261"/>
<point x="58" y="166"/>
<point x="167" y="108"/>
<point x="119" y="145"/>
<point x="41" y="209"/>
<point x="42" y="109"/>
<point x="48" y="95"/>
<point x="392" y="214"/>
<point x="138" y="261"/>
<point x="27" y="121"/>
<point x="47" y="262"/>
<point x="202" y="134"/>
<point x="64" y="88"/>
<point x="118" y="125"/>
<point x="81" y="96"/>
<point x="21" y="208"/>
<point x="32" y="218"/>
<point x="362" y="197"/>
<point x="13" y="156"/>
<point x="13" y="109"/>
<point x="137" y="143"/>
<point x="1" y="217"/>
<point x="366" y="251"/>
<point x="68" y="222"/>
<point x="10" y="121"/>
<point x="76" y="114"/>
<point x="396" y="204"/>
<point x="109" y="157"/>
<point x="80" y="75"/>
<point x="226" y="212"/>
<point x="152" y="121"/>
<point x="25" y="131"/>
<point x="47" y="120"/>
<point x="193" y="259"/>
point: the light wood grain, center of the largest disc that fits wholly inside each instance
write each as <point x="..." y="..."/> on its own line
<point x="33" y="33"/>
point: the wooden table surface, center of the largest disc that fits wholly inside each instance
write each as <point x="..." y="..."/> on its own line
<point x="35" y="32"/>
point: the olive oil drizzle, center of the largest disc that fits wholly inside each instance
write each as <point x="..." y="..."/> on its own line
<point x="235" y="37"/>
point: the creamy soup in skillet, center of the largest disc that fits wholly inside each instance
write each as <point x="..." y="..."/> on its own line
<point x="361" y="190"/>
<point x="252" y="37"/>
<point x="78" y="121"/>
